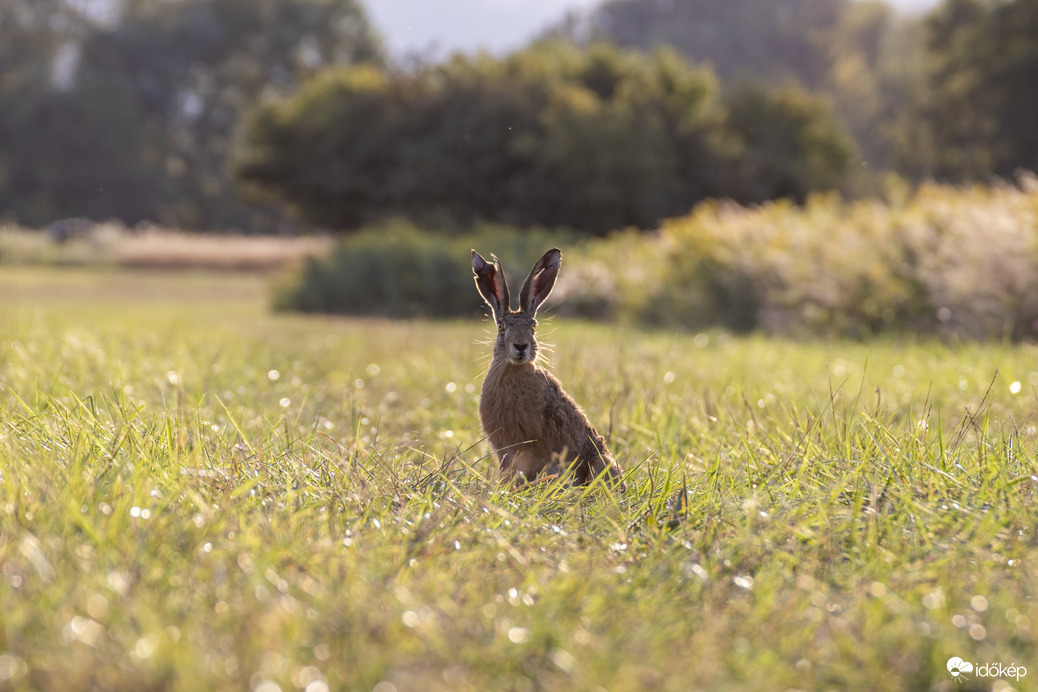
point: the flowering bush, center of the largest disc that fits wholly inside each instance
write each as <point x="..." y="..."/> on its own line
<point x="959" y="262"/>
<point x="953" y="261"/>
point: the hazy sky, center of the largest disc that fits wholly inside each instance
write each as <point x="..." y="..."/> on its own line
<point x="442" y="26"/>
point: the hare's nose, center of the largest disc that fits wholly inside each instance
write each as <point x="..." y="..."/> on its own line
<point x="520" y="348"/>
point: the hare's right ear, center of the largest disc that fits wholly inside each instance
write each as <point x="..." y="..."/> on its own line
<point x="490" y="280"/>
<point x="540" y="281"/>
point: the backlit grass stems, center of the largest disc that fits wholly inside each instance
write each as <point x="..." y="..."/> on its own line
<point x="196" y="495"/>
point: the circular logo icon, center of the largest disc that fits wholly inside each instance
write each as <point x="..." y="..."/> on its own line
<point x="956" y="666"/>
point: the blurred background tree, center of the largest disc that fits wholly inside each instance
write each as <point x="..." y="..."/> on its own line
<point x="981" y="105"/>
<point x="132" y="115"/>
<point x="769" y="41"/>
<point x="594" y="139"/>
<point x="620" y="116"/>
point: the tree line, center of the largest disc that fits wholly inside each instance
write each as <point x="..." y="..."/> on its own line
<point x="951" y="95"/>
<point x="129" y="109"/>
<point x="592" y="140"/>
<point x="210" y="114"/>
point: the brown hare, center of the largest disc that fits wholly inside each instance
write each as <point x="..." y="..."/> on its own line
<point x="533" y="426"/>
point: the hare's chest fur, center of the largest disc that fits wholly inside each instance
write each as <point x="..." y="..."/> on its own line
<point x="512" y="404"/>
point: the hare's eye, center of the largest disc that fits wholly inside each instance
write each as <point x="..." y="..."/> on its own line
<point x="534" y="327"/>
<point x="500" y="326"/>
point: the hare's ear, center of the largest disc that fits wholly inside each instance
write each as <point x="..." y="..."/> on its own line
<point x="490" y="280"/>
<point x="540" y="281"/>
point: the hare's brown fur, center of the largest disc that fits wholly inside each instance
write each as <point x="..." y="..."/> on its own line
<point x="533" y="425"/>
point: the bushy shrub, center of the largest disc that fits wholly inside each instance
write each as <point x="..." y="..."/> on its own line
<point x="953" y="261"/>
<point x="397" y="270"/>
<point x="959" y="262"/>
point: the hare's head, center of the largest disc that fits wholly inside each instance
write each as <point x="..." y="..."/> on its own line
<point x="515" y="328"/>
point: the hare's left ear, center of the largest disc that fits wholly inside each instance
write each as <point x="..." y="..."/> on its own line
<point x="490" y="280"/>
<point x="540" y="281"/>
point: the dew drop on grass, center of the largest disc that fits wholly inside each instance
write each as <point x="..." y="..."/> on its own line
<point x="173" y="378"/>
<point x="979" y="603"/>
<point x="959" y="621"/>
<point x="285" y="402"/>
<point x="85" y="630"/>
<point x="978" y="632"/>
<point x="273" y="375"/>
<point x="11" y="667"/>
<point x="97" y="606"/>
<point x="1015" y="388"/>
<point x="669" y="378"/>
<point x="451" y="387"/>
<point x="564" y="660"/>
<point x="519" y="635"/>
<point x="145" y="646"/>
<point x="118" y="582"/>
<point x="135" y="512"/>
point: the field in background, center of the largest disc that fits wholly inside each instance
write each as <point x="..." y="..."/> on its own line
<point x="944" y="261"/>
<point x="196" y="494"/>
<point x="75" y="242"/>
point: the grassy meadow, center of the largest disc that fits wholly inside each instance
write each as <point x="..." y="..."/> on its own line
<point x="199" y="494"/>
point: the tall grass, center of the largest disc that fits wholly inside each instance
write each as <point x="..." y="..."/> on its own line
<point x="197" y="495"/>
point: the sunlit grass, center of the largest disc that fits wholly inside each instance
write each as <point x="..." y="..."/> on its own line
<point x="197" y="495"/>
